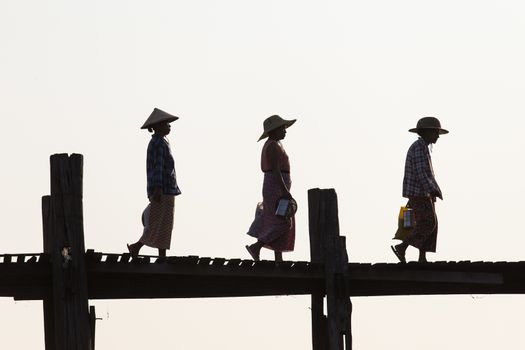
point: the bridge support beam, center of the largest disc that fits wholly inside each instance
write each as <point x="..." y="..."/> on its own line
<point x="327" y="247"/>
<point x="66" y="314"/>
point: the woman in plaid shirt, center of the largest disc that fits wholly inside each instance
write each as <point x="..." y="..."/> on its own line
<point x="421" y="189"/>
<point x="162" y="186"/>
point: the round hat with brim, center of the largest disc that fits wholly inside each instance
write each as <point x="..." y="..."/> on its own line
<point x="429" y="123"/>
<point x="158" y="116"/>
<point x="274" y="122"/>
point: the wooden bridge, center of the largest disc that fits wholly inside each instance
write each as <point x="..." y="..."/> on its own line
<point x="65" y="276"/>
<point x="114" y="276"/>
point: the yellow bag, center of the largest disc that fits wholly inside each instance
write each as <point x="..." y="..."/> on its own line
<point x="405" y="223"/>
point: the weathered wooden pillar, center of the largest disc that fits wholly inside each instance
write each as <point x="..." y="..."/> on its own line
<point x="49" y="319"/>
<point x="329" y="248"/>
<point x="66" y="318"/>
<point x="92" y="323"/>
<point x="319" y="328"/>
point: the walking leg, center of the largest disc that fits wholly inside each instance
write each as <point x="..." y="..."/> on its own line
<point x="422" y="256"/>
<point x="134" y="248"/>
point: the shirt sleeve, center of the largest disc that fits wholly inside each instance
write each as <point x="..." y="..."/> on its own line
<point x="423" y="171"/>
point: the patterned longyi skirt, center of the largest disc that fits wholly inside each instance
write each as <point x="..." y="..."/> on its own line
<point x="424" y="234"/>
<point x="276" y="233"/>
<point x="157" y="219"/>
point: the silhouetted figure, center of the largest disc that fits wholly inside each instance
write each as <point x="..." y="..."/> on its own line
<point x="421" y="189"/>
<point x="162" y="186"/>
<point x="275" y="232"/>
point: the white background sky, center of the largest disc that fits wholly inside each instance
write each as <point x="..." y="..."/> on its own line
<point x="83" y="76"/>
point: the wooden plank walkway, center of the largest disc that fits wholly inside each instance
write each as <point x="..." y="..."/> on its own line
<point x="118" y="276"/>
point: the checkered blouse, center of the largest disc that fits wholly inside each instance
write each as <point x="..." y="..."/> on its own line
<point x="419" y="176"/>
<point x="160" y="167"/>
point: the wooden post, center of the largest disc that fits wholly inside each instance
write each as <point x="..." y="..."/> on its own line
<point x="319" y="335"/>
<point x="49" y="319"/>
<point x="329" y="248"/>
<point x="92" y="324"/>
<point x="66" y="310"/>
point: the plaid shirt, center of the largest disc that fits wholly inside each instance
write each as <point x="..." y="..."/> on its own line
<point x="160" y="167"/>
<point x="419" y="176"/>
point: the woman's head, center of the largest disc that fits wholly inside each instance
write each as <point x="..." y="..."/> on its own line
<point x="161" y="129"/>
<point x="156" y="118"/>
<point x="275" y="127"/>
<point x="429" y="135"/>
<point x="429" y="128"/>
<point x="278" y="134"/>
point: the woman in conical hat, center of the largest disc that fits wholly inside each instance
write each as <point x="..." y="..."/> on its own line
<point x="162" y="186"/>
<point x="274" y="232"/>
<point x="421" y="189"/>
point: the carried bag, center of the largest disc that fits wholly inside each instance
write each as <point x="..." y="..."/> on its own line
<point x="405" y="222"/>
<point x="285" y="207"/>
<point x="256" y="226"/>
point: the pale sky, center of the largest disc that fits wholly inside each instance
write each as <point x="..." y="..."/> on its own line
<point x="81" y="77"/>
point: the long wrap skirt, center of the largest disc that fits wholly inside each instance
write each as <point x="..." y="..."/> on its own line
<point x="277" y="233"/>
<point x="424" y="234"/>
<point x="157" y="219"/>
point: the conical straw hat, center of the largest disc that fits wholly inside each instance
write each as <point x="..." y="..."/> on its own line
<point x="158" y="116"/>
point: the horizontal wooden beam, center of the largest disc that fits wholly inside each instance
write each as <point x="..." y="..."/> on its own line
<point x="459" y="277"/>
<point x="29" y="280"/>
<point x="118" y="276"/>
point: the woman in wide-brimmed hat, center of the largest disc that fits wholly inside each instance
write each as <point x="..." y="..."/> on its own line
<point x="275" y="232"/>
<point x="162" y="186"/>
<point x="421" y="189"/>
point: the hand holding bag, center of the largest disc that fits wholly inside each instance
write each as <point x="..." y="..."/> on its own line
<point x="405" y="222"/>
<point x="256" y="226"/>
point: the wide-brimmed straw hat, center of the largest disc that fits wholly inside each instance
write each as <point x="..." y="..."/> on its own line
<point x="429" y="123"/>
<point x="158" y="116"/>
<point x="274" y="122"/>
